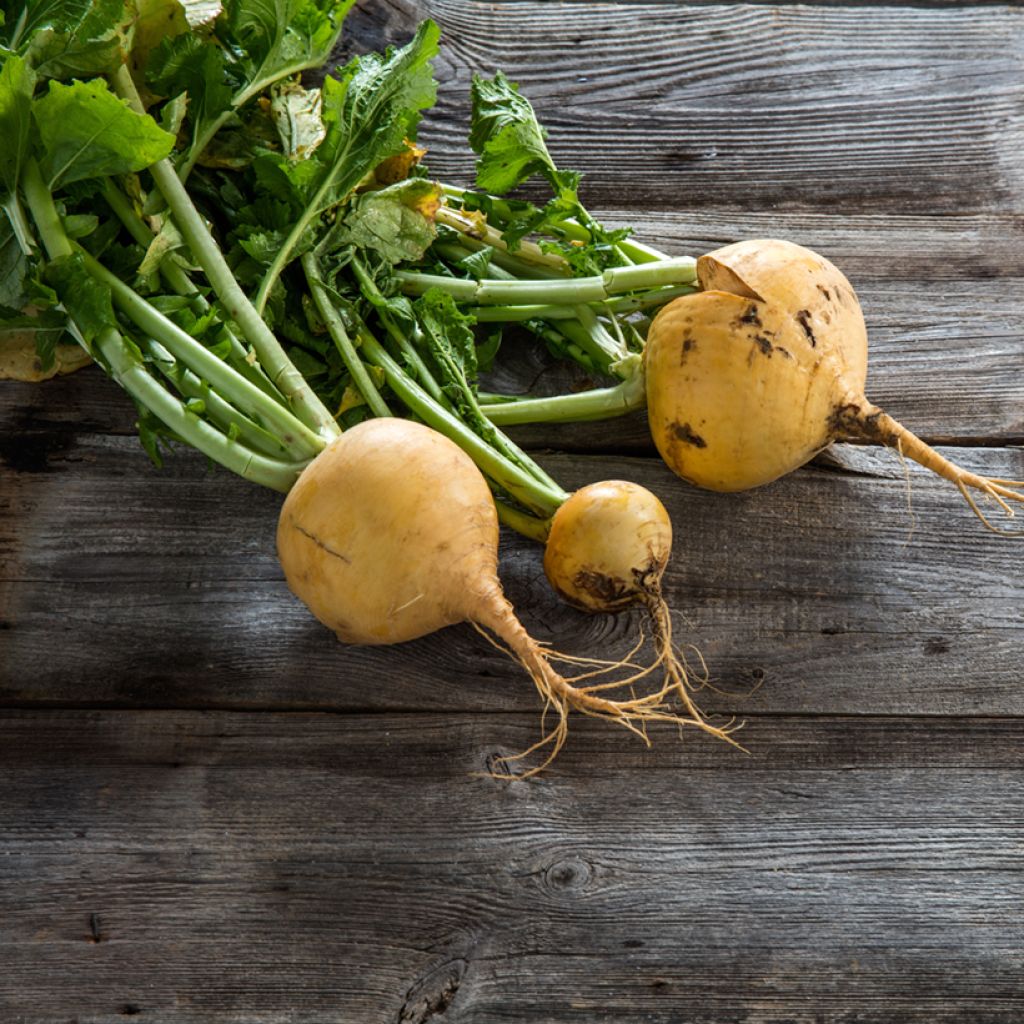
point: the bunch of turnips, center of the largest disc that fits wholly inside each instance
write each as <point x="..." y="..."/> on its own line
<point x="272" y="274"/>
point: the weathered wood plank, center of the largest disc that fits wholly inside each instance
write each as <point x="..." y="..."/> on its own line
<point x="127" y="586"/>
<point x="886" y="108"/>
<point x="222" y="868"/>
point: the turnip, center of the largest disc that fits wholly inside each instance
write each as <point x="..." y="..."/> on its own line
<point x="608" y="548"/>
<point x="764" y="367"/>
<point x="391" y="533"/>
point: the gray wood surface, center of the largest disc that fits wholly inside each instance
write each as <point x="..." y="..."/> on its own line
<point x="212" y="813"/>
<point x="195" y="867"/>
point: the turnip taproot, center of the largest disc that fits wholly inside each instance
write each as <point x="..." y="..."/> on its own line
<point x="750" y="377"/>
<point x="391" y="533"/>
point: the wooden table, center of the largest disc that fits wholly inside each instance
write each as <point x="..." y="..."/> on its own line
<point x="211" y="813"/>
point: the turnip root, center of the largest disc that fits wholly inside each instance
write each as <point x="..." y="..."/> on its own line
<point x="391" y="533"/>
<point x="608" y="548"/>
<point x="753" y="375"/>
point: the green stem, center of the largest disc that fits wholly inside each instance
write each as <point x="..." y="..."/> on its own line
<point x="221" y="413"/>
<point x="44" y="212"/>
<point x="297" y="439"/>
<point x="597" y="404"/>
<point x="455" y="374"/>
<point x="573" y="291"/>
<point x="539" y="498"/>
<point x="516" y="314"/>
<point x="19" y="27"/>
<point x="398" y="334"/>
<point x="648" y="300"/>
<point x="126" y="369"/>
<point x="641" y="253"/>
<point x="342" y="341"/>
<point x="478" y="229"/>
<point x="621" y="304"/>
<point x="560" y="345"/>
<point x="522" y="522"/>
<point x="597" y="337"/>
<point x="207" y="254"/>
<point x="510" y="262"/>
<point x="177" y="279"/>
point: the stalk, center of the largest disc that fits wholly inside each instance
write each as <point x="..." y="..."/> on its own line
<point x="409" y="351"/>
<point x="481" y="231"/>
<point x="597" y="404"/>
<point x="207" y="254"/>
<point x="541" y="499"/>
<point x="174" y="275"/>
<point x="19" y="27"/>
<point x="560" y="344"/>
<point x="522" y="522"/>
<point x="176" y="278"/>
<point x="221" y="413"/>
<point x="19" y="223"/>
<point x="622" y="304"/>
<point x="298" y="439"/>
<point x="573" y="291"/>
<point x="342" y="341"/>
<point x="509" y="262"/>
<point x="136" y="380"/>
<point x="516" y="314"/>
<point x="44" y="212"/>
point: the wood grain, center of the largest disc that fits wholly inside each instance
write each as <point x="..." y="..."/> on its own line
<point x="886" y="108"/>
<point x="823" y="585"/>
<point x="196" y="868"/>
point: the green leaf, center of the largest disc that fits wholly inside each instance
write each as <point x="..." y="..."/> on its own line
<point x="194" y="65"/>
<point x="80" y="225"/>
<point x="172" y="115"/>
<point x="397" y="222"/>
<point x="153" y="435"/>
<point x="158" y="20"/>
<point x="487" y="351"/>
<point x="477" y="264"/>
<point x="253" y="45"/>
<point x="368" y="113"/>
<point x="86" y="131"/>
<point x="17" y="81"/>
<point x="166" y="240"/>
<point x="448" y="331"/>
<point x="62" y="38"/>
<point x="281" y="37"/>
<point x="507" y="136"/>
<point x="87" y="301"/>
<point x="262" y="246"/>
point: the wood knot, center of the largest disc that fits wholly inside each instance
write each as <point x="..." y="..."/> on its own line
<point x="567" y="874"/>
<point x="431" y="996"/>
